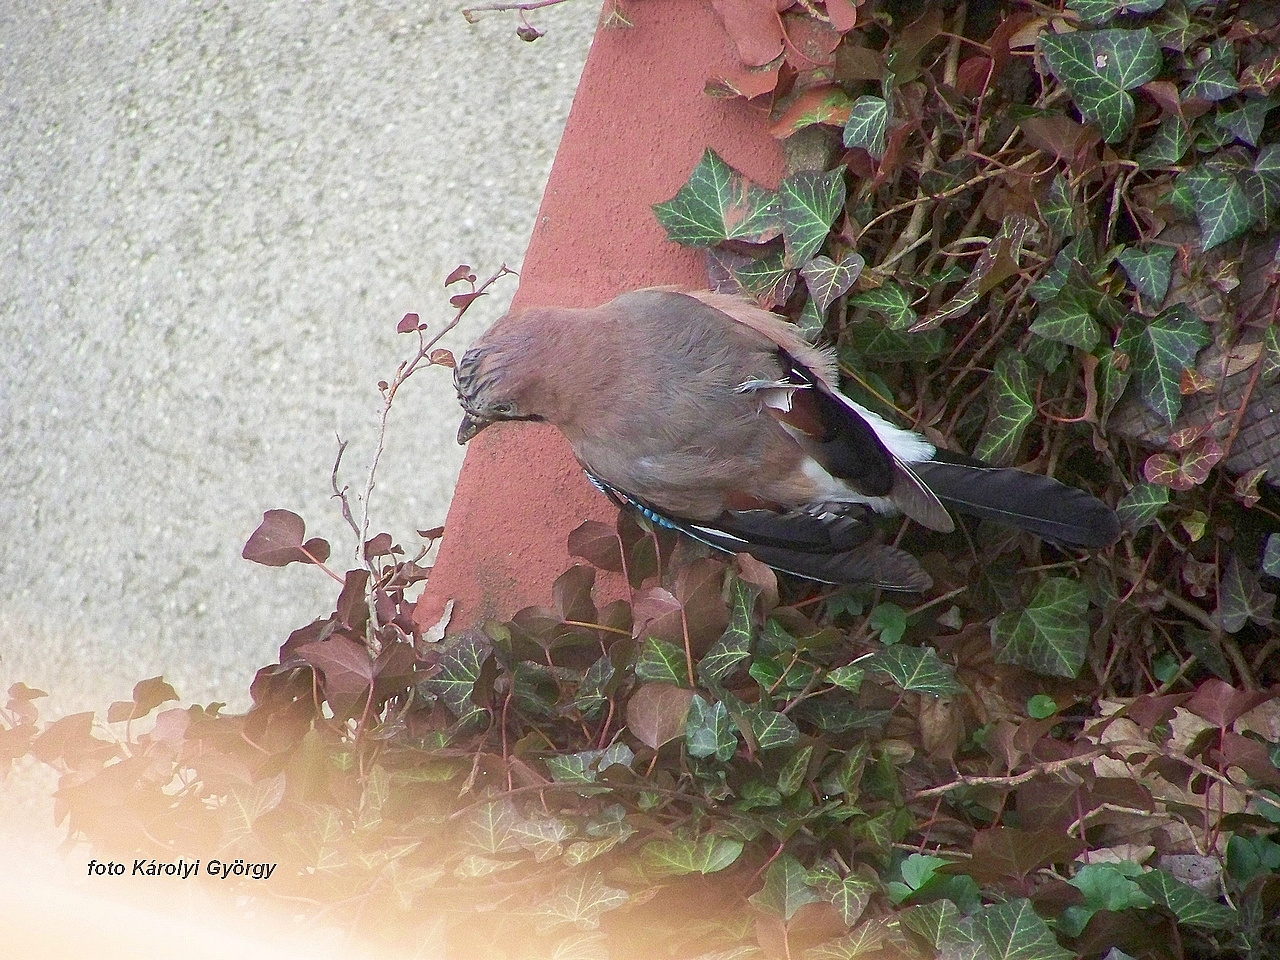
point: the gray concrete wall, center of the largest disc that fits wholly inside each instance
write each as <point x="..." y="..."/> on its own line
<point x="211" y="218"/>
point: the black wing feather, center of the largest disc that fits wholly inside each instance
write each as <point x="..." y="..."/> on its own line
<point x="826" y="546"/>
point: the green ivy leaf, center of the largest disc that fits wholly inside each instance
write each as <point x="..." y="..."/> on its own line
<point x="1068" y="317"/>
<point x="1270" y="371"/>
<point x="734" y="644"/>
<point x="459" y="670"/>
<point x="890" y="301"/>
<point x="1245" y="122"/>
<point x="1098" y="67"/>
<point x="1140" y="506"/>
<point x="1216" y="78"/>
<point x="1148" y="270"/>
<point x="848" y="677"/>
<point x="1041" y="707"/>
<point x="1186" y="903"/>
<point x="850" y="895"/>
<point x="811" y="201"/>
<point x="1167" y="145"/>
<point x="791" y="776"/>
<point x="580" y="902"/>
<point x="708" y="731"/>
<point x="1013" y="929"/>
<point x="770" y="728"/>
<point x="1112" y="377"/>
<point x="915" y="670"/>
<point x="679" y="857"/>
<point x="1271" y="556"/>
<point x="874" y="341"/>
<point x="768" y="279"/>
<point x="785" y="888"/>
<point x="1261" y="183"/>
<point x="1098" y="12"/>
<point x="867" y="124"/>
<point x="1049" y="635"/>
<point x="490" y="828"/>
<point x="1174" y="29"/>
<point x="1057" y="207"/>
<point x="717" y="203"/>
<point x="1009" y="412"/>
<point x="1221" y="205"/>
<point x="1241" y="599"/>
<point x="1159" y="350"/>
<point x="591" y="694"/>
<point x="661" y="662"/>
<point x="828" y="280"/>
<point x="935" y="921"/>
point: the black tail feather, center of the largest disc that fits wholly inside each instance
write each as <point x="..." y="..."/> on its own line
<point x="1027" y="501"/>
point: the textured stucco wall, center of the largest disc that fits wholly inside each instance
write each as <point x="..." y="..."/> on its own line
<point x="211" y="218"/>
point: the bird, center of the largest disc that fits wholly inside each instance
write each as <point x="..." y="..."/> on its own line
<point x="710" y="415"/>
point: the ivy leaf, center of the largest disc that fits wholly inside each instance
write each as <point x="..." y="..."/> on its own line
<point x="661" y="662"/>
<point x="1241" y="599"/>
<point x="874" y="340"/>
<point x="1057" y="208"/>
<point x="1270" y="355"/>
<point x="1167" y="145"/>
<point x="1140" y="506"/>
<point x="1068" y="317"/>
<point x="1159" y="350"/>
<point x="1098" y="67"/>
<point x="459" y="670"/>
<point x="1246" y="122"/>
<point x="890" y="301"/>
<point x="1009" y="412"/>
<point x="827" y="280"/>
<point x="1186" y="903"/>
<point x="1221" y="205"/>
<point x="934" y="921"/>
<point x="848" y="677"/>
<point x="708" y="731"/>
<point x="717" y="203"/>
<point x="785" y="888"/>
<point x="734" y="644"/>
<point x="867" y="124"/>
<point x="811" y="201"/>
<point x="656" y="713"/>
<point x="767" y="278"/>
<point x="1271" y="556"/>
<point x="580" y="902"/>
<point x="850" y="895"/>
<point x="1049" y="635"/>
<point x="1013" y="929"/>
<point x="770" y="728"/>
<point x="1148" y="270"/>
<point x="678" y="857"/>
<point x="1098" y="12"/>
<point x="1261" y="183"/>
<point x="1183" y="469"/>
<point x="490" y="828"/>
<point x="1216" y="78"/>
<point x="915" y="670"/>
<point x="997" y="263"/>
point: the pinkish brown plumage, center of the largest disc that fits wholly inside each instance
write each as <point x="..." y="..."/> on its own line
<point x="713" y="414"/>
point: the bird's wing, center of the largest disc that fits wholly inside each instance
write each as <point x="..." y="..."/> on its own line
<point x="859" y="447"/>
<point x="826" y="545"/>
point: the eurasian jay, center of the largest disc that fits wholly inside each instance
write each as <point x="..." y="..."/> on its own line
<point x="710" y="415"/>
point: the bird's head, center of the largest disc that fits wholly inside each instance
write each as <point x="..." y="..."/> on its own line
<point x="488" y="390"/>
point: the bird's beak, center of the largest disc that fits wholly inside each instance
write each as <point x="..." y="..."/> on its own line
<point x="470" y="426"/>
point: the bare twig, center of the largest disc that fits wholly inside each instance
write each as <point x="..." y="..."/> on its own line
<point x="469" y="12"/>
